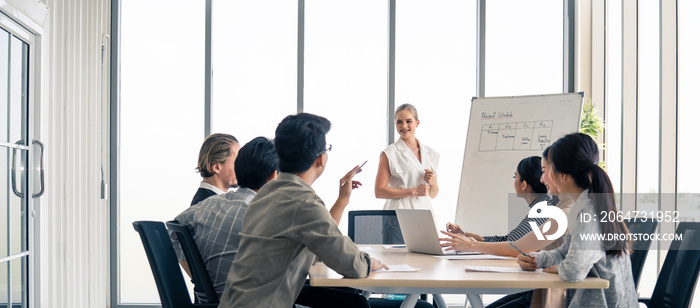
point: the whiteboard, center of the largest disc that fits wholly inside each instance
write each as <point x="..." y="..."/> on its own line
<point x="502" y="131"/>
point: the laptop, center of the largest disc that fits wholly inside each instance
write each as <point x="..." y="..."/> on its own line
<point x="420" y="234"/>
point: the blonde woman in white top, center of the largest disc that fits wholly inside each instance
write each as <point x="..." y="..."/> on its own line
<point x="406" y="176"/>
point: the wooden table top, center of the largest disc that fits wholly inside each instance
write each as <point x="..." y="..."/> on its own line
<point x="446" y="275"/>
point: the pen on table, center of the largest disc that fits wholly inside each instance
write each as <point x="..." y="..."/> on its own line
<point x="518" y="249"/>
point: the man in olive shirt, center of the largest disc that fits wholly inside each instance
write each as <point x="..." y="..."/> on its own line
<point x="287" y="225"/>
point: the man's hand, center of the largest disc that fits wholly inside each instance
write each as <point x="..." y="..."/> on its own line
<point x="377" y="265"/>
<point x="347" y="184"/>
<point x="345" y="190"/>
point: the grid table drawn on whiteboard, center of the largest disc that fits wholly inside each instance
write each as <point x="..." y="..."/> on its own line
<point x="531" y="135"/>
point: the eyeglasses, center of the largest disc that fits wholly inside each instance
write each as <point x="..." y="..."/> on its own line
<point x="329" y="147"/>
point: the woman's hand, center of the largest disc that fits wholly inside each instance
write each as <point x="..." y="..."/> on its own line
<point x="457" y="242"/>
<point x="455" y="228"/>
<point x="527" y="263"/>
<point x="430" y="177"/>
<point x="551" y="269"/>
<point x="422" y="190"/>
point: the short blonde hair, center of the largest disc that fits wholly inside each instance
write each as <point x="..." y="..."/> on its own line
<point x="215" y="149"/>
<point x="408" y="107"/>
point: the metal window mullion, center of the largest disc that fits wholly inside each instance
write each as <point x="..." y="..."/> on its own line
<point x="598" y="68"/>
<point x="12" y="174"/>
<point x="480" y="48"/>
<point x="17" y="256"/>
<point x="569" y="52"/>
<point x="391" y="73"/>
<point x="14" y="146"/>
<point x="301" y="17"/>
<point x="208" y="86"/>
<point x="114" y="161"/>
<point x="630" y="110"/>
<point x="668" y="111"/>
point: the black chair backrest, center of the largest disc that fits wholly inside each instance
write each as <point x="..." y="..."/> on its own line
<point x="676" y="282"/>
<point x="200" y="276"/>
<point x="166" y="270"/>
<point x="368" y="227"/>
<point x="640" y="247"/>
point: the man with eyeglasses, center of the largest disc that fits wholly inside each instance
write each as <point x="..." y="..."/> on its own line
<point x="287" y="226"/>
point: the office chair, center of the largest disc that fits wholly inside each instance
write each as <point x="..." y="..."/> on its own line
<point x="676" y="282"/>
<point x="640" y="248"/>
<point x="203" y="287"/>
<point x="368" y="227"/>
<point x="166" y="270"/>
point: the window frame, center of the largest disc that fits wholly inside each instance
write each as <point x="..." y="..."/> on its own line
<point x="568" y="77"/>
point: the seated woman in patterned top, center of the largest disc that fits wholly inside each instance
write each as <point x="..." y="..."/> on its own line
<point x="527" y="186"/>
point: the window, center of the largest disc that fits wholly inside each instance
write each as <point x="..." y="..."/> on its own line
<point x="688" y="109"/>
<point x="254" y="64"/>
<point x="648" y="146"/>
<point x="524" y="47"/>
<point x="613" y="119"/>
<point x="345" y="71"/>
<point x="345" y="81"/>
<point x="162" y="126"/>
<point x="435" y="71"/>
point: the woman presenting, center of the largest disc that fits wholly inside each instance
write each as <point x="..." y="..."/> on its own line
<point x="406" y="175"/>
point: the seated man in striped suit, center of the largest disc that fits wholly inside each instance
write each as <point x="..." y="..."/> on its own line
<point x="216" y="221"/>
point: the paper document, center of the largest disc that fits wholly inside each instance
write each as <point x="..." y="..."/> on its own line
<point x="500" y="269"/>
<point x="394" y="246"/>
<point x="364" y="248"/>
<point x="472" y="257"/>
<point x="399" y="268"/>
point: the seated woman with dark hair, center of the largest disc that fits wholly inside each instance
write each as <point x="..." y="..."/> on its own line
<point x="529" y="242"/>
<point x="527" y="186"/>
<point x="576" y="174"/>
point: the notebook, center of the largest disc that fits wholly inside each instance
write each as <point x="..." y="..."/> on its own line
<point x="420" y="234"/>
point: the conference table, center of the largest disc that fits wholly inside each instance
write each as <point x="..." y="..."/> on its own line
<point x="441" y="276"/>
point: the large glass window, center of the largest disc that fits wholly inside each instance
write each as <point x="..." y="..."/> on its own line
<point x="162" y="126"/>
<point x="254" y="60"/>
<point x="648" y="102"/>
<point x="346" y="82"/>
<point x="524" y="47"/>
<point x="688" y="108"/>
<point x="613" y="118"/>
<point x="435" y="71"/>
